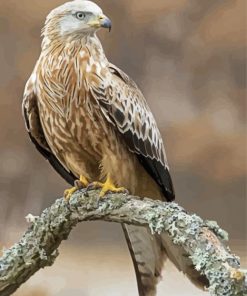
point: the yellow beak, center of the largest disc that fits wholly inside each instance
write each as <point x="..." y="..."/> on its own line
<point x="101" y="22"/>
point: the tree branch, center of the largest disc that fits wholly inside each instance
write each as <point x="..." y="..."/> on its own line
<point x="201" y="240"/>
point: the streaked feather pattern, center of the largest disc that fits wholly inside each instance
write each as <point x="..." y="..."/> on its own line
<point x="125" y="107"/>
<point x="87" y="117"/>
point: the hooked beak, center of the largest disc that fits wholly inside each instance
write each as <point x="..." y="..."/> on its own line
<point x="105" y="22"/>
<point x="101" y="22"/>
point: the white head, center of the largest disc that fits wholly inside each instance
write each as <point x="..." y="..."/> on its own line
<point x="75" y="18"/>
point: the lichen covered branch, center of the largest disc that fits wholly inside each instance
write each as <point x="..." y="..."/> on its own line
<point x="201" y="240"/>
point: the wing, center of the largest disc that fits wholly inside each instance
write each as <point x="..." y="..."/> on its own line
<point x="33" y="125"/>
<point x="125" y="107"/>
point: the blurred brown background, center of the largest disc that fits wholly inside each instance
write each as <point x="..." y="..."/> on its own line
<point x="188" y="57"/>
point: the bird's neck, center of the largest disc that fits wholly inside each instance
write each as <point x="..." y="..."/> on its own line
<point x="73" y="44"/>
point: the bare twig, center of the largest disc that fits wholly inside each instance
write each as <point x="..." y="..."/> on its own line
<point x="201" y="240"/>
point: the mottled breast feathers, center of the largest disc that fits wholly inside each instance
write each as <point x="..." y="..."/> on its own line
<point x="106" y="89"/>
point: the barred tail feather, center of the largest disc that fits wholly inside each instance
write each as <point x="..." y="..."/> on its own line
<point x="148" y="256"/>
<point x="149" y="253"/>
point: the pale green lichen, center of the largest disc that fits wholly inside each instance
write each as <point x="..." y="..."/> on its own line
<point x="153" y="220"/>
<point x="213" y="225"/>
<point x="38" y="247"/>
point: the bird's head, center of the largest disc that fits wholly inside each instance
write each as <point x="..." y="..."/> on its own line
<point x="76" y="18"/>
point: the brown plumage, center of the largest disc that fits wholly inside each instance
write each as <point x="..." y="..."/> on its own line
<point x="88" y="118"/>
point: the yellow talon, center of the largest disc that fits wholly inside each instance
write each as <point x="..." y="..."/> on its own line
<point x="69" y="192"/>
<point x="108" y="186"/>
<point x="82" y="182"/>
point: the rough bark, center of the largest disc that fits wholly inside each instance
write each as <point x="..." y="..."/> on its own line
<point x="202" y="240"/>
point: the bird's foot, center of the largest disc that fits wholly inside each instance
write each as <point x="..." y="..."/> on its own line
<point x="69" y="192"/>
<point x="79" y="184"/>
<point x="106" y="187"/>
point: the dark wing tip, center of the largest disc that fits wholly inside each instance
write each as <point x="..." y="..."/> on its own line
<point x="168" y="190"/>
<point x="161" y="175"/>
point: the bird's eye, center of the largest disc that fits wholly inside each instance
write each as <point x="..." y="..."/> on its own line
<point x="80" y="15"/>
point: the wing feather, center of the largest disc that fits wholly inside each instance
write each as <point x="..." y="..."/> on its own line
<point x="34" y="128"/>
<point x="125" y="107"/>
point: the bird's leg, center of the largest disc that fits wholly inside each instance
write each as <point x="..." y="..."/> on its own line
<point x="81" y="183"/>
<point x="108" y="186"/>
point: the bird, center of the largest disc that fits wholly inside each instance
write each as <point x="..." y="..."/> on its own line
<point x="92" y="123"/>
